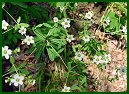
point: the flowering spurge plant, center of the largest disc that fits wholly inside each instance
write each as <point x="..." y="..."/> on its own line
<point x="58" y="48"/>
<point x="102" y="60"/>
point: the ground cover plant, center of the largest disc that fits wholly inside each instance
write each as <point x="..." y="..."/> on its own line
<point x="64" y="46"/>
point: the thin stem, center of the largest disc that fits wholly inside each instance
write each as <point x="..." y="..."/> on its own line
<point x="10" y="15"/>
<point x="19" y="88"/>
<point x="7" y="30"/>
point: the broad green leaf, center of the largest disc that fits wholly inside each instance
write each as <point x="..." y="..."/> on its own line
<point x="39" y="35"/>
<point x="23" y="71"/>
<point x="12" y="60"/>
<point x="47" y="25"/>
<point x="16" y="27"/>
<point x="22" y="65"/>
<point x="39" y="52"/>
<point x="21" y="4"/>
<point x="83" y="80"/>
<point x="60" y="4"/>
<point x="75" y="87"/>
<point x="40" y="25"/>
<point x="19" y="19"/>
<point x="52" y="54"/>
<point x="24" y="25"/>
<point x="12" y="69"/>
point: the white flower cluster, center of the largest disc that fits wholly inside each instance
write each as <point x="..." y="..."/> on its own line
<point x="86" y="38"/>
<point x="66" y="23"/>
<point x="102" y="60"/>
<point x="124" y="29"/>
<point x="70" y="38"/>
<point x="66" y="89"/>
<point x="29" y="39"/>
<point x="17" y="80"/>
<point x="79" y="56"/>
<point x="89" y="15"/>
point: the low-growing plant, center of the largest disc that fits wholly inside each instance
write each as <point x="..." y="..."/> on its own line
<point x="59" y="52"/>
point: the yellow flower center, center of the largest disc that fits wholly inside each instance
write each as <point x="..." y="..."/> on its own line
<point x="5" y="52"/>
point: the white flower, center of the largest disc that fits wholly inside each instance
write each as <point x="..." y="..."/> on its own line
<point x="107" y="57"/>
<point x="22" y="30"/>
<point x="6" y="52"/>
<point x="66" y="89"/>
<point x="98" y="59"/>
<point x="124" y="29"/>
<point x="70" y="38"/>
<point x="86" y="38"/>
<point x="79" y="56"/>
<point x="29" y="40"/>
<point x="66" y="23"/>
<point x="33" y="82"/>
<point x="4" y="25"/>
<point x="55" y="19"/>
<point x="89" y="15"/>
<point x="108" y="21"/>
<point x="75" y="4"/>
<point x="62" y="8"/>
<point x="123" y="70"/>
<point x="17" y="80"/>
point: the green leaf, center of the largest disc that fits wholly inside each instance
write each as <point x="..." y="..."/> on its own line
<point x="39" y="35"/>
<point x="19" y="19"/>
<point x="39" y="52"/>
<point x="12" y="69"/>
<point x="60" y="50"/>
<point x="24" y="25"/>
<point x="21" y="4"/>
<point x="23" y="71"/>
<point x="12" y="60"/>
<point x="40" y="25"/>
<point x="47" y="25"/>
<point x="60" y="4"/>
<point x="51" y="53"/>
<point x="22" y="65"/>
<point x="75" y="87"/>
<point x="16" y="27"/>
<point x="83" y="80"/>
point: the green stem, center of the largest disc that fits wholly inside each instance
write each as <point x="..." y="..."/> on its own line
<point x="10" y="15"/>
<point x="19" y="88"/>
<point x="7" y="30"/>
